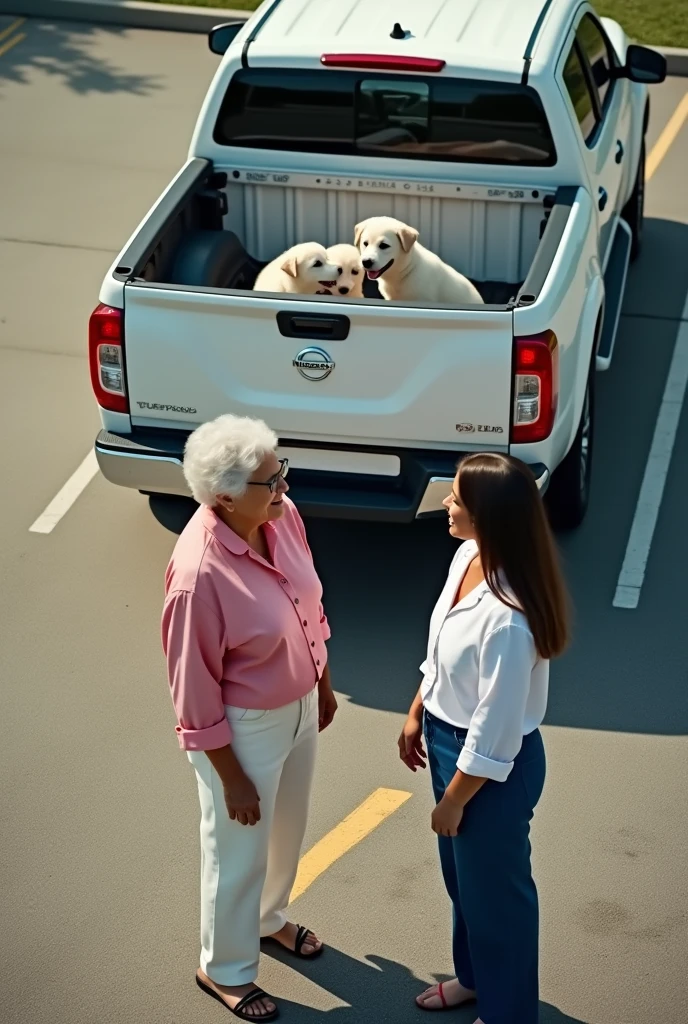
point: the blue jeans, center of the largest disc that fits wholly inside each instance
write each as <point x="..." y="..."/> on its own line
<point x="487" y="873"/>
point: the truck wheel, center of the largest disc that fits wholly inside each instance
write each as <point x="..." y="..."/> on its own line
<point x="569" y="492"/>
<point x="634" y="210"/>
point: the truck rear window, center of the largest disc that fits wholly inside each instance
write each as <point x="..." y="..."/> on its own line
<point x="355" y="113"/>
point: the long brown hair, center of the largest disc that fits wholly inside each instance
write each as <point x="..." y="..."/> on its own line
<point x="516" y="544"/>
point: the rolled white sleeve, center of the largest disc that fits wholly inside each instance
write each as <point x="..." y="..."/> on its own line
<point x="495" y="733"/>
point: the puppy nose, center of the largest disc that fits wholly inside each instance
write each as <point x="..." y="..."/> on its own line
<point x="368" y="264"/>
<point x="343" y="291"/>
<point x="339" y="271"/>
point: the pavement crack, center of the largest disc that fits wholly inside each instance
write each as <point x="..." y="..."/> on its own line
<point x="58" y="245"/>
<point x="23" y="350"/>
<point x="655" y="316"/>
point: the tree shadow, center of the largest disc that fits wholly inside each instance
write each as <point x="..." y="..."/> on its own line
<point x="377" y="989"/>
<point x="69" y="52"/>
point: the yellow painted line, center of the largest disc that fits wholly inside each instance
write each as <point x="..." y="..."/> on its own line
<point x="665" y="140"/>
<point x="11" y="42"/>
<point x="10" y="28"/>
<point x="360" y="823"/>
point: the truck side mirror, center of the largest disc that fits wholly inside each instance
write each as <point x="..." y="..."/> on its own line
<point x="644" y="65"/>
<point x="221" y="36"/>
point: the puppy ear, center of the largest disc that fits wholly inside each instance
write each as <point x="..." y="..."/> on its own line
<point x="407" y="236"/>
<point x="358" y="231"/>
<point x="290" y="266"/>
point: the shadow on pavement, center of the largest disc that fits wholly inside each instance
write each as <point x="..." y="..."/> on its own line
<point x="657" y="283"/>
<point x="66" y="51"/>
<point x="380" y="990"/>
<point x="381" y="581"/>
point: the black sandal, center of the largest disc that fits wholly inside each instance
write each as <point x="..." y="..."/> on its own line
<point x="302" y="936"/>
<point x="251" y="997"/>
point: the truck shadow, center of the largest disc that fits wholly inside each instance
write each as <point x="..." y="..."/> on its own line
<point x="381" y="581"/>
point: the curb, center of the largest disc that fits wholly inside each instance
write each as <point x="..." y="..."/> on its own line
<point x="171" y="17"/>
<point x="677" y="59"/>
<point x="129" y="13"/>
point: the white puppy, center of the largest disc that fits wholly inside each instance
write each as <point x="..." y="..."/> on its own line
<point x="351" y="274"/>
<point x="304" y="269"/>
<point x="406" y="270"/>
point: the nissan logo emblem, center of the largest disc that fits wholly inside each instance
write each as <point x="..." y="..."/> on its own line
<point x="313" y="363"/>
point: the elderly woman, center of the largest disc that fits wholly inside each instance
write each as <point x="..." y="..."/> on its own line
<point x="244" y="635"/>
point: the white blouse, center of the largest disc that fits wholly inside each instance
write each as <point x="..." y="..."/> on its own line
<point x="482" y="673"/>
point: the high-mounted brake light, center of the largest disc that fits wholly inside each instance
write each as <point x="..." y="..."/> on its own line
<point x="106" y="358"/>
<point x="536" y="388"/>
<point x="382" y="62"/>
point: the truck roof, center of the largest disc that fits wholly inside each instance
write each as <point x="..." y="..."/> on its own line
<point x="477" y="35"/>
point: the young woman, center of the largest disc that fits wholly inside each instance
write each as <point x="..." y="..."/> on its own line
<point x="500" y="618"/>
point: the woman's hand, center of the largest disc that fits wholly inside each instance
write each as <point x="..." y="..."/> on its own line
<point x="411" y="749"/>
<point x="327" y="704"/>
<point x="446" y="818"/>
<point x="242" y="800"/>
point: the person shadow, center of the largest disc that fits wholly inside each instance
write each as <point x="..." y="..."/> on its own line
<point x="375" y="989"/>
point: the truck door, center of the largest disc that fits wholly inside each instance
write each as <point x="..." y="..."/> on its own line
<point x="599" y="101"/>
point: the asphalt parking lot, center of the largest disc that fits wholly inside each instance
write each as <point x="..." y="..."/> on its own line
<point x="99" y="817"/>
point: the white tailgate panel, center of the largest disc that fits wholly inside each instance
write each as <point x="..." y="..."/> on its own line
<point x="402" y="375"/>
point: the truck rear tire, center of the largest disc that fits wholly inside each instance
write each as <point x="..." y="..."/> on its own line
<point x="213" y="259"/>
<point x="569" y="492"/>
<point x="634" y="210"/>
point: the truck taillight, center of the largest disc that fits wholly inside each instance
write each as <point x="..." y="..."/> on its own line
<point x="106" y="357"/>
<point x="536" y="387"/>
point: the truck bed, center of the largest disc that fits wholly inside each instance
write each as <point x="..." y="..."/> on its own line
<point x="349" y="373"/>
<point x="489" y="234"/>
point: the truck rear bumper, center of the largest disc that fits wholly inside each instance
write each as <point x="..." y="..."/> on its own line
<point x="151" y="461"/>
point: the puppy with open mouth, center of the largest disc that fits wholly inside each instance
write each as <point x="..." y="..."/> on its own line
<point x="404" y="269"/>
<point x="304" y="269"/>
<point x="351" y="274"/>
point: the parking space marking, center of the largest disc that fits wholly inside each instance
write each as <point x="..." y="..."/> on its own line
<point x="632" y="573"/>
<point x="65" y="498"/>
<point x="669" y="133"/>
<point x="12" y="42"/>
<point x="17" y="23"/>
<point x="355" y="827"/>
<point x="630" y="582"/>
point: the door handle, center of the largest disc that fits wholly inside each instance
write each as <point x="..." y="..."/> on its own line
<point x="313" y="325"/>
<point x="619" y="151"/>
<point x="603" y="197"/>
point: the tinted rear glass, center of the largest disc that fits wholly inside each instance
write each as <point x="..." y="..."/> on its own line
<point x="413" y="117"/>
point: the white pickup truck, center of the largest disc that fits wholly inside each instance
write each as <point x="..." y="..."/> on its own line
<point x="511" y="135"/>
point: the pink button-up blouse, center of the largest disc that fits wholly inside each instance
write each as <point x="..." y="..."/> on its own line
<point x="237" y="630"/>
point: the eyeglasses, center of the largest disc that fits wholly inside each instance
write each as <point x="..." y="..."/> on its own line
<point x="272" y="482"/>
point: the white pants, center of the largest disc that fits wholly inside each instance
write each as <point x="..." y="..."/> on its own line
<point x="247" y="872"/>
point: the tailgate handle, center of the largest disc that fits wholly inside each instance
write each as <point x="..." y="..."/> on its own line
<point x="313" y="325"/>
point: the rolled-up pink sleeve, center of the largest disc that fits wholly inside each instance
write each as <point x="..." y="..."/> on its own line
<point x="193" y="639"/>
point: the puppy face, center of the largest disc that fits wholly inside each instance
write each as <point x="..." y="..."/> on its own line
<point x="308" y="264"/>
<point x="383" y="243"/>
<point x="347" y="259"/>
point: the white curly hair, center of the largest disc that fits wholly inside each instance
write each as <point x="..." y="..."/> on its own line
<point x="221" y="455"/>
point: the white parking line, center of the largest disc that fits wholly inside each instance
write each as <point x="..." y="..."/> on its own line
<point x="632" y="573"/>
<point x="65" y="498"/>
